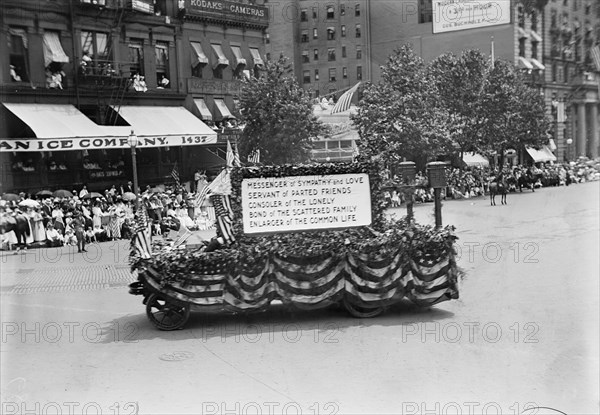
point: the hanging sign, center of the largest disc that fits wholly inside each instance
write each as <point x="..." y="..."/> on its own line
<point x="452" y="15"/>
<point x="102" y="143"/>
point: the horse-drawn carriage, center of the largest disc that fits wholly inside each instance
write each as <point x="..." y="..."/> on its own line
<point x="304" y="257"/>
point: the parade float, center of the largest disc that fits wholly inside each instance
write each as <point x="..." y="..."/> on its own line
<point x="306" y="236"/>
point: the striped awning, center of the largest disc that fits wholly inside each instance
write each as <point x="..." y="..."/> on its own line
<point x="474" y="159"/>
<point x="203" y="110"/>
<point x="221" y="59"/>
<point x="258" y="61"/>
<point x="53" y="51"/>
<point x="198" y="55"/>
<point x="537" y="64"/>
<point x="523" y="63"/>
<point x="542" y="155"/>
<point x="238" y="57"/>
<point x="222" y="112"/>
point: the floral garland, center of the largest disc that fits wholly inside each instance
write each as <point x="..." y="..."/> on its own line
<point x="384" y="238"/>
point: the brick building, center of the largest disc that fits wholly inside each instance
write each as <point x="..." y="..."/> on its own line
<point x="72" y="90"/>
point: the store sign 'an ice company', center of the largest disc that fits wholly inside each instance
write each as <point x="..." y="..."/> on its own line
<point x="106" y="143"/>
<point x="452" y="15"/>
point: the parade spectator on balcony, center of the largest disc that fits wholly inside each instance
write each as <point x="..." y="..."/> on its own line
<point x="13" y="74"/>
<point x="163" y="83"/>
<point x="85" y="66"/>
<point x="139" y="84"/>
<point x="54" y="80"/>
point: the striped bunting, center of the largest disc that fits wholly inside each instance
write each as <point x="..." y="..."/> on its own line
<point x="315" y="282"/>
<point x="142" y="243"/>
<point x="175" y="174"/>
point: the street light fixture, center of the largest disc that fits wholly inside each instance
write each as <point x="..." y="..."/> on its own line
<point x="133" y="141"/>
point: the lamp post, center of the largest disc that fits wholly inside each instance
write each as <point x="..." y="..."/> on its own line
<point x="569" y="142"/>
<point x="133" y="141"/>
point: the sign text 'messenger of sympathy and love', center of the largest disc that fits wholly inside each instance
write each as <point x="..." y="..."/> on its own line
<point x="298" y="203"/>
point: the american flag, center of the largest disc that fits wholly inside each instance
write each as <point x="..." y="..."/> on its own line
<point x="211" y="187"/>
<point x="345" y="100"/>
<point x="254" y="157"/>
<point x="142" y="243"/>
<point x="224" y="214"/>
<point x="175" y="174"/>
<point x="232" y="158"/>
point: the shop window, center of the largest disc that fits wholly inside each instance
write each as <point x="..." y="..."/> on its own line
<point x="425" y="11"/>
<point x="357" y="10"/>
<point x="305" y="58"/>
<point x="303" y="15"/>
<point x="95" y="54"/>
<point x="316" y="54"/>
<point x="343" y="51"/>
<point x="316" y="74"/>
<point x="306" y="77"/>
<point x="136" y="57"/>
<point x="359" y="73"/>
<point x="343" y="30"/>
<point x="358" y="52"/>
<point x="330" y="33"/>
<point x="18" y="61"/>
<point x="304" y="36"/>
<point x="331" y="54"/>
<point x="358" y="30"/>
<point x="162" y="64"/>
<point x="330" y="12"/>
<point x="344" y="72"/>
<point x="332" y="74"/>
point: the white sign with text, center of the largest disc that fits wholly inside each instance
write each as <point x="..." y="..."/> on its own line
<point x="299" y="203"/>
<point x="451" y="15"/>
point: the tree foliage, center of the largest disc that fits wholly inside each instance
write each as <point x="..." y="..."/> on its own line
<point x="278" y="115"/>
<point x="454" y="104"/>
<point x="400" y="114"/>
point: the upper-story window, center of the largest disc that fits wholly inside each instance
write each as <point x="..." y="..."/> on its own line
<point x="357" y="10"/>
<point x="315" y="12"/>
<point x="305" y="57"/>
<point x="343" y="30"/>
<point x="95" y="53"/>
<point x="332" y="75"/>
<point x="331" y="33"/>
<point x="553" y="18"/>
<point x="343" y="51"/>
<point x="306" y="77"/>
<point x="534" y="21"/>
<point x="162" y="64"/>
<point x="358" y="52"/>
<point x="359" y="73"/>
<point x="330" y="12"/>
<point x="304" y="36"/>
<point x="315" y="33"/>
<point x="358" y="30"/>
<point x="316" y="54"/>
<point x="303" y="15"/>
<point x="521" y="16"/>
<point x="136" y="57"/>
<point x="331" y="54"/>
<point x="18" y="59"/>
<point x="342" y="9"/>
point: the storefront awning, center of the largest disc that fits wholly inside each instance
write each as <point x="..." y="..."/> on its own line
<point x="522" y="33"/>
<point x="166" y="121"/>
<point x="53" y="51"/>
<point x="523" y="63"/>
<point x="222" y="112"/>
<point x="205" y="113"/>
<point x="55" y="121"/>
<point x="474" y="159"/>
<point x="542" y="155"/>
<point x="64" y="128"/>
<point x="258" y="61"/>
<point x="237" y="54"/>
<point x="537" y="64"/>
<point x="198" y="55"/>
<point x="220" y="60"/>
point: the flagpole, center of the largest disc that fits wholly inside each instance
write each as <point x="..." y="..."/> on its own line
<point x="493" y="52"/>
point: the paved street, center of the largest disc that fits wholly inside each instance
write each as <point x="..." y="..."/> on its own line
<point x="524" y="332"/>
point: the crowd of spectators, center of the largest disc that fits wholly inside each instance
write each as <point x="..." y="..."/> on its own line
<point x="105" y="217"/>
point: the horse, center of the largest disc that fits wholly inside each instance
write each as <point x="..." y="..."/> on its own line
<point x="18" y="223"/>
<point x="526" y="179"/>
<point x="498" y="187"/>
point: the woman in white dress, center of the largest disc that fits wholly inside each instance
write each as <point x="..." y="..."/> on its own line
<point x="39" y="232"/>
